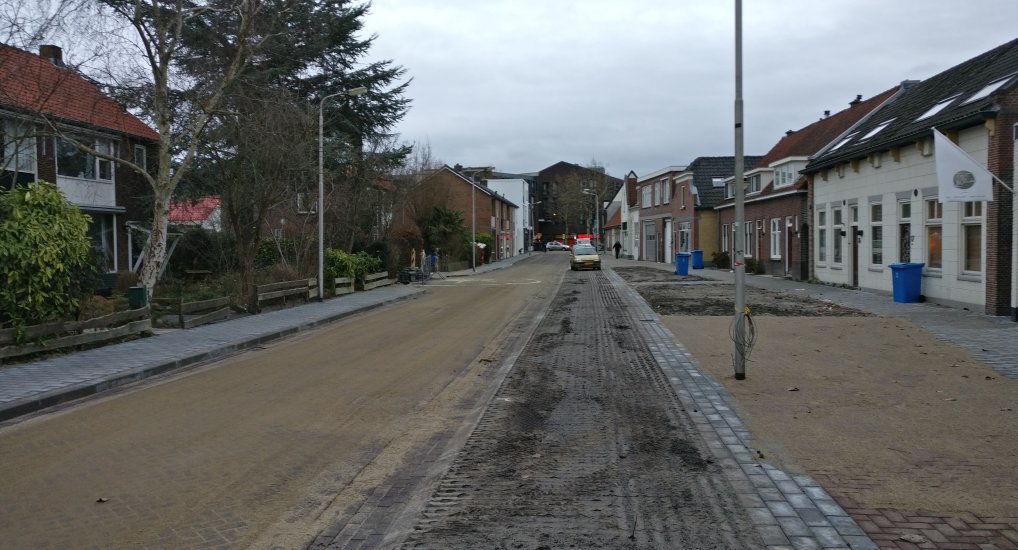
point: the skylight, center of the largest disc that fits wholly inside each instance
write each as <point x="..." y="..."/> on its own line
<point x="842" y="143"/>
<point x="938" y="107"/>
<point x="988" y="89"/>
<point x="876" y="130"/>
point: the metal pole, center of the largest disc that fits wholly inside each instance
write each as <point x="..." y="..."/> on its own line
<point x="738" y="262"/>
<point x="321" y="199"/>
<point x="354" y="92"/>
<point x="473" y="228"/>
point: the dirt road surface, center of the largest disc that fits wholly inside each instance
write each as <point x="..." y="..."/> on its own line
<point x="260" y="449"/>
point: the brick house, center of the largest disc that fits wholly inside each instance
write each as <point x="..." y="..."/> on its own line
<point x="43" y="106"/>
<point x="676" y="206"/>
<point x="875" y="200"/>
<point x="489" y="212"/>
<point x="552" y="185"/>
<point x="655" y="192"/>
<point x="777" y="222"/>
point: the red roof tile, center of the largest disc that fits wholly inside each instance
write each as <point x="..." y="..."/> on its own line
<point x="809" y="140"/>
<point x="193" y="211"/>
<point x="32" y="83"/>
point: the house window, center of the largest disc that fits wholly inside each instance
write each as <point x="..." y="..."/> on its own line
<point x="972" y="237"/>
<point x="75" y="163"/>
<point x="647" y="198"/>
<point x="775" y="238"/>
<point x="876" y="234"/>
<point x="754" y="183"/>
<point x="726" y="239"/>
<point x="682" y="196"/>
<point x="657" y="194"/>
<point x="748" y="236"/>
<point x="18" y="147"/>
<point x="100" y="232"/>
<point x="306" y="204"/>
<point x="839" y="226"/>
<point x="665" y="192"/>
<point x="730" y="189"/>
<point x="821" y="236"/>
<point x="934" y="234"/>
<point x="141" y="157"/>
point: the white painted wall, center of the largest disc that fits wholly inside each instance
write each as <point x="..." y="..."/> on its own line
<point x="890" y="183"/>
<point x="515" y="190"/>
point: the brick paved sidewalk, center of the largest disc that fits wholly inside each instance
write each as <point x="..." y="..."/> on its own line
<point x="994" y="340"/>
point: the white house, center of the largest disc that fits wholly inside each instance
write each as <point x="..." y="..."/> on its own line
<point x="875" y="199"/>
<point x="516" y="191"/>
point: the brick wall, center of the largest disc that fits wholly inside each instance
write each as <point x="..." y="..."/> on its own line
<point x="999" y="230"/>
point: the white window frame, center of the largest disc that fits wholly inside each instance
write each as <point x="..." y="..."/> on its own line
<point x="933" y="217"/>
<point x="822" y="237"/>
<point x="754" y="184"/>
<point x="657" y="193"/>
<point x="665" y="195"/>
<point x="726" y="239"/>
<point x="837" y="227"/>
<point x="876" y="233"/>
<point x="747" y="236"/>
<point x="776" y="238"/>
<point x="98" y="165"/>
<point x="971" y="216"/>
<point x="19" y="153"/>
<point x="141" y="157"/>
<point x="646" y="196"/>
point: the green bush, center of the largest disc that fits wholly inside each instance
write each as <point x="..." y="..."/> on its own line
<point x="339" y="263"/>
<point x="45" y="255"/>
<point x="269" y="252"/>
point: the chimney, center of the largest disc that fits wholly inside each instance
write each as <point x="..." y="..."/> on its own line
<point x="789" y="132"/>
<point x="52" y="53"/>
<point x="827" y="113"/>
<point x="856" y="101"/>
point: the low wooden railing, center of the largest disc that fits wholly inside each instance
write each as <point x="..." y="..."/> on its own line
<point x="65" y="334"/>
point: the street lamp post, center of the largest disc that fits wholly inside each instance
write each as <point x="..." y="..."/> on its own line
<point x="353" y="92"/>
<point x="597" y="213"/>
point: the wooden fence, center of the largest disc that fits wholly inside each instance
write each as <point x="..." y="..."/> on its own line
<point x="65" y="334"/>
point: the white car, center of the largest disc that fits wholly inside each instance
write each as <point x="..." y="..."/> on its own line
<point x="584" y="256"/>
<point x="556" y="245"/>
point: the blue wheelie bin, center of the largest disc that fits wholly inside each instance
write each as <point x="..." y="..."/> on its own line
<point x="698" y="259"/>
<point x="682" y="263"/>
<point x="906" y="281"/>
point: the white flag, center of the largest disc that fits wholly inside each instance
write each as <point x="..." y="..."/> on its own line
<point x="959" y="177"/>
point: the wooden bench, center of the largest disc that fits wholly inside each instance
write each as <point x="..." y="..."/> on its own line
<point x="375" y="280"/>
<point x="208" y="310"/>
<point x="342" y="285"/>
<point x="67" y="334"/>
<point x="274" y="291"/>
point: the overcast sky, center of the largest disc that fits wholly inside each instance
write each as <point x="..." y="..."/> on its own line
<point x="644" y="84"/>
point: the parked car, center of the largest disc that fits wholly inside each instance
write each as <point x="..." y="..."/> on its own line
<point x="556" y="245"/>
<point x="584" y="256"/>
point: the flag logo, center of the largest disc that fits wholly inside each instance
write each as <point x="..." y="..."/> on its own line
<point x="964" y="179"/>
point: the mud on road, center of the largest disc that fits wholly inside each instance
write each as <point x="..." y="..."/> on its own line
<point x="671" y="294"/>
<point x="585" y="446"/>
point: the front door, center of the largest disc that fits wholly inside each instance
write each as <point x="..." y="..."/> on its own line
<point x="649" y="242"/>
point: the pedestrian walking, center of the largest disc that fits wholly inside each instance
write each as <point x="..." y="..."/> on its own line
<point x="618" y="248"/>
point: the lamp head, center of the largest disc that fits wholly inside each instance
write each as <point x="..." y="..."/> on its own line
<point x="358" y="91"/>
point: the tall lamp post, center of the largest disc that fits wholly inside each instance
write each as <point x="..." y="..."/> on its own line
<point x="353" y="92"/>
<point x="597" y="213"/>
